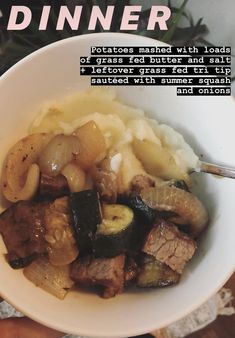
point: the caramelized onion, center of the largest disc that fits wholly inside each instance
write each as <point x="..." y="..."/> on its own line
<point x="62" y="248"/>
<point x="20" y="175"/>
<point x="183" y="203"/>
<point x="61" y="150"/>
<point x="92" y="145"/>
<point x="53" y="279"/>
<point x="75" y="176"/>
<point x="158" y="161"/>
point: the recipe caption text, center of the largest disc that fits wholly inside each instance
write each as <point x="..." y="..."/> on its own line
<point x="194" y="70"/>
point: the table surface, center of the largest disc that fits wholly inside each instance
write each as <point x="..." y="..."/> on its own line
<point x="223" y="326"/>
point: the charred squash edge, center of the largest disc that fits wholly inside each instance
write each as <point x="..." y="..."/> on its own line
<point x="113" y="238"/>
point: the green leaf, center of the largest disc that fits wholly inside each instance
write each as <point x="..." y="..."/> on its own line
<point x="26" y="40"/>
<point x="187" y="16"/>
<point x="168" y="35"/>
<point x="101" y="4"/>
<point x="205" y="42"/>
<point x="118" y="10"/>
<point x="43" y="36"/>
<point x="11" y="45"/>
<point x="184" y="35"/>
<point x="196" y="33"/>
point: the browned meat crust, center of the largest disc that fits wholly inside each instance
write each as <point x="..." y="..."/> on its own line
<point x="22" y="228"/>
<point x="53" y="187"/>
<point x="131" y="270"/>
<point x="105" y="181"/>
<point x="168" y="245"/>
<point x="140" y="182"/>
<point x="107" y="272"/>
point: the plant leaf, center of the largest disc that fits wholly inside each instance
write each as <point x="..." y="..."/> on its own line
<point x="168" y="35"/>
<point x="118" y="10"/>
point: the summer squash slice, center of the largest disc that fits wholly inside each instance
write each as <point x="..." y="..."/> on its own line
<point x="156" y="274"/>
<point x="141" y="209"/>
<point x="113" y="234"/>
<point x="86" y="215"/>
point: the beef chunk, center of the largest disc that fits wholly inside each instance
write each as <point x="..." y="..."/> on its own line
<point x="22" y="228"/>
<point x="53" y="187"/>
<point x="168" y="245"/>
<point x="105" y="181"/>
<point x="140" y="182"/>
<point x="107" y="272"/>
<point x="131" y="270"/>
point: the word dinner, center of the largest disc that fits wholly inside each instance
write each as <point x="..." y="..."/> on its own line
<point x="20" y="18"/>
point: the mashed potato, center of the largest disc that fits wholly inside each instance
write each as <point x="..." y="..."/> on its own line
<point x="120" y="124"/>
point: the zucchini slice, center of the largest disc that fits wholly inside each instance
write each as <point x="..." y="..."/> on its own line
<point x="145" y="217"/>
<point x="143" y="211"/>
<point x="156" y="274"/>
<point x="113" y="234"/>
<point x="86" y="215"/>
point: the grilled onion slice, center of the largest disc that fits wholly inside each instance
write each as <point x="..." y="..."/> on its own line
<point x="184" y="204"/>
<point x="53" y="279"/>
<point x="61" y="150"/>
<point x="20" y="176"/>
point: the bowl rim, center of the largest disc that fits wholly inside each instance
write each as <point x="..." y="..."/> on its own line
<point x="126" y="331"/>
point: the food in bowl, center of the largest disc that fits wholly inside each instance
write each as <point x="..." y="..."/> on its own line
<point x="100" y="197"/>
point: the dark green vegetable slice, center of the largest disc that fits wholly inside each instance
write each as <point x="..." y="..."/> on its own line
<point x="156" y="274"/>
<point x="181" y="185"/>
<point x="145" y="217"/>
<point x="144" y="213"/>
<point x="142" y="210"/>
<point x="86" y="215"/>
<point x="113" y="234"/>
<point x="20" y="263"/>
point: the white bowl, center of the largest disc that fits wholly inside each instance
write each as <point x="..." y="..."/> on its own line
<point x="207" y="124"/>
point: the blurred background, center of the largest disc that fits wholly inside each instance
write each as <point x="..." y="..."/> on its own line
<point x="193" y="22"/>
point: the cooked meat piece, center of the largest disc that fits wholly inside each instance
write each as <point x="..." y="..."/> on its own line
<point x="140" y="182"/>
<point x="22" y="228"/>
<point x="131" y="270"/>
<point x="105" y="181"/>
<point x="179" y="184"/>
<point x="156" y="274"/>
<point x="168" y="245"/>
<point x="53" y="187"/>
<point x="107" y="272"/>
